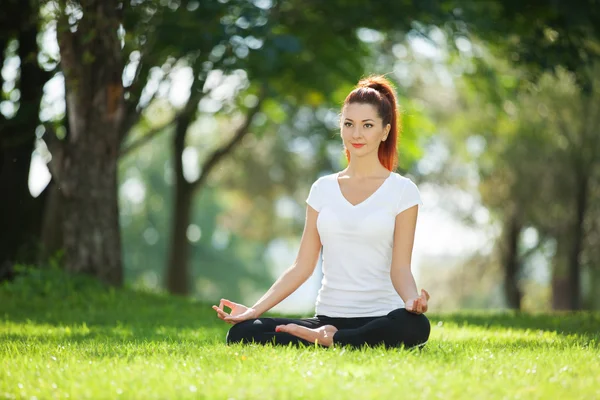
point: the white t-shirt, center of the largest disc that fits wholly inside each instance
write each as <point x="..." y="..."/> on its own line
<point x="357" y="246"/>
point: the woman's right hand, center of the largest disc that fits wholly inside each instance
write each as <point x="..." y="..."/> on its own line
<point x="239" y="312"/>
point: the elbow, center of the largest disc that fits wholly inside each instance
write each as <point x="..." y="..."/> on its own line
<point x="304" y="270"/>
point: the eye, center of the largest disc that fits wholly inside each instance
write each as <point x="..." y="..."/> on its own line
<point x="348" y="124"/>
<point x="368" y="125"/>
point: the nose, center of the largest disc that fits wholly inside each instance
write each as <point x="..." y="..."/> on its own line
<point x="356" y="133"/>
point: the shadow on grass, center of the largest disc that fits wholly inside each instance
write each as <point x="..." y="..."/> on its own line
<point x="113" y="314"/>
<point x="54" y="298"/>
<point x="582" y="323"/>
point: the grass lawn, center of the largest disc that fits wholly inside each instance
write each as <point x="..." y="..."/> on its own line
<point x="71" y="338"/>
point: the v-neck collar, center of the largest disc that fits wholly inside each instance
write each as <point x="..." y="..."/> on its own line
<point x="339" y="189"/>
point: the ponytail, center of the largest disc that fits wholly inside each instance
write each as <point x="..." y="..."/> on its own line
<point x="378" y="91"/>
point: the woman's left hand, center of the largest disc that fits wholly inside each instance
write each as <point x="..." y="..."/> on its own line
<point x="418" y="305"/>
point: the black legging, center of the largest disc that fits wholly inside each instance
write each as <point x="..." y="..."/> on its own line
<point x="395" y="329"/>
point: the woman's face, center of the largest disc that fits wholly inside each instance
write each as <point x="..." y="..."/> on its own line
<point x="361" y="125"/>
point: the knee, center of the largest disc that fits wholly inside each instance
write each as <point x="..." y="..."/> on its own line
<point x="238" y="332"/>
<point x="242" y="332"/>
<point x="414" y="328"/>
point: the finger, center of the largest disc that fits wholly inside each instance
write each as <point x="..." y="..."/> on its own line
<point x="221" y="317"/>
<point x="421" y="304"/>
<point x="234" y="318"/>
<point x="222" y="313"/>
<point x="217" y="310"/>
<point x="427" y="296"/>
<point x="228" y="303"/>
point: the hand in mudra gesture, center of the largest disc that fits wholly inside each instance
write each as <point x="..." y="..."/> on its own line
<point x="239" y="312"/>
<point x="418" y="305"/>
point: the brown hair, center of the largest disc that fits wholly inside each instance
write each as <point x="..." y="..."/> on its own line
<point x="378" y="91"/>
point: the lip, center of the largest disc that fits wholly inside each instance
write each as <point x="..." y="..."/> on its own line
<point x="357" y="145"/>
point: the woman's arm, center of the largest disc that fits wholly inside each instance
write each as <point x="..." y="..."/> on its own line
<point x="404" y="236"/>
<point x="297" y="273"/>
<point x="290" y="280"/>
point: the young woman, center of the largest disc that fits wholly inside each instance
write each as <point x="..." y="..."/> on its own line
<point x="364" y="217"/>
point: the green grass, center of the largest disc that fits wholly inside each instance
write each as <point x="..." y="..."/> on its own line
<point x="70" y="337"/>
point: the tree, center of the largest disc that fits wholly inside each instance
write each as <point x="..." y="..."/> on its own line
<point x="535" y="38"/>
<point x="92" y="64"/>
<point x="569" y="115"/>
<point x="20" y="213"/>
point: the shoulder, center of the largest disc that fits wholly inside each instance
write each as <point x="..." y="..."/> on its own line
<point x="403" y="182"/>
<point x="322" y="184"/>
<point x="407" y="192"/>
<point x="319" y="191"/>
<point x="325" y="179"/>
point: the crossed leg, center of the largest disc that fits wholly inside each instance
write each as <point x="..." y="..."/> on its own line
<point x="264" y="330"/>
<point x="397" y="328"/>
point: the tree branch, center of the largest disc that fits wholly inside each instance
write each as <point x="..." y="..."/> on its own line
<point x="139" y="82"/>
<point x="185" y="114"/>
<point x="133" y="114"/>
<point x="219" y="153"/>
<point x="146" y="138"/>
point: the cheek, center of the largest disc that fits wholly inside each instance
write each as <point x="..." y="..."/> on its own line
<point x="373" y="134"/>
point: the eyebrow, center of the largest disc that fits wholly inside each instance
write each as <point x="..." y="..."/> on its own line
<point x="364" y="120"/>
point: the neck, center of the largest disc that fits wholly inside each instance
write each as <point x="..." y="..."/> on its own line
<point x="365" y="167"/>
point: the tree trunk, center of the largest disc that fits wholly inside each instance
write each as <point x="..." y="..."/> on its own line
<point x="178" y="271"/>
<point x="594" y="300"/>
<point x="20" y="213"/>
<point x="511" y="261"/>
<point x="92" y="65"/>
<point x="178" y="274"/>
<point x="52" y="229"/>
<point x="577" y="245"/>
<point x="560" y="280"/>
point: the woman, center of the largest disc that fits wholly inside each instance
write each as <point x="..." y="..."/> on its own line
<point x="364" y="217"/>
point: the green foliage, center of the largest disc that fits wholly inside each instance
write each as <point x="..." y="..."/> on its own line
<point x="221" y="260"/>
<point x="128" y="343"/>
<point x="538" y="36"/>
<point x="50" y="284"/>
<point x="50" y="295"/>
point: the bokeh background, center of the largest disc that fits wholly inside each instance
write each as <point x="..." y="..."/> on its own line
<point x="229" y="111"/>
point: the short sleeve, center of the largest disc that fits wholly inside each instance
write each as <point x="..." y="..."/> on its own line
<point x="314" y="196"/>
<point x="410" y="197"/>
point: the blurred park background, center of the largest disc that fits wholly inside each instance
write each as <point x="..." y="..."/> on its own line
<point x="169" y="145"/>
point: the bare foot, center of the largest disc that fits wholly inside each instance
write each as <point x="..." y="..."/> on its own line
<point x="322" y="335"/>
